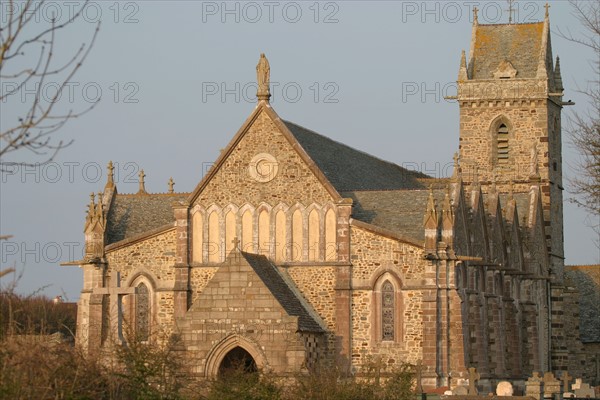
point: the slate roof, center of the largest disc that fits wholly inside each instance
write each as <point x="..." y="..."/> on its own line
<point x="349" y="169"/>
<point x="284" y="294"/>
<point x="400" y="211"/>
<point x="133" y="214"/>
<point x="518" y="43"/>
<point x="587" y="280"/>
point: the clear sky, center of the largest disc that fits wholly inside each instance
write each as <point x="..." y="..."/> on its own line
<point x="177" y="80"/>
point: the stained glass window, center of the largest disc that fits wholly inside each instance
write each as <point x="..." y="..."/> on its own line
<point x="142" y="312"/>
<point x="387" y="311"/>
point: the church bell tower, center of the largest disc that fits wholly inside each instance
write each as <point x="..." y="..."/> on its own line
<point x="510" y="97"/>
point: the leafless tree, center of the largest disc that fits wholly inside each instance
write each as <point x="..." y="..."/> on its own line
<point x="584" y="127"/>
<point x="28" y="60"/>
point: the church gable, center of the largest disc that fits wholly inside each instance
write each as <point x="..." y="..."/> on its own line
<point x="262" y="165"/>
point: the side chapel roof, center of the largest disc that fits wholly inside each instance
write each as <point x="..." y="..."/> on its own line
<point x="281" y="290"/>
<point x="133" y="214"/>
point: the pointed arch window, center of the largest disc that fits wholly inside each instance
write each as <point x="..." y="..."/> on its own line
<point x="386" y="318"/>
<point x="388" y="311"/>
<point x="142" y="312"/>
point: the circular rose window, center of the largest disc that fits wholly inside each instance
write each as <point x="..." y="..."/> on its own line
<point x="263" y="167"/>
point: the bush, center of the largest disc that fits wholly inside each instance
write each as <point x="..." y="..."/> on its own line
<point x="148" y="370"/>
<point x="372" y="385"/>
<point x="35" y="315"/>
<point x="35" y="368"/>
<point x="36" y="364"/>
<point x="241" y="385"/>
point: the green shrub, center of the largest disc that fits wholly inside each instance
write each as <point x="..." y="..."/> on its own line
<point x="238" y="384"/>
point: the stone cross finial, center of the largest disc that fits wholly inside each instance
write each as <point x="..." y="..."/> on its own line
<point x="142" y="175"/>
<point x="236" y="243"/>
<point x="457" y="170"/>
<point x="510" y="10"/>
<point x="475" y="18"/>
<point x="473" y="378"/>
<point x="111" y="174"/>
<point x="566" y="378"/>
<point x="547" y="7"/>
<point x="263" y="78"/>
<point x="171" y="184"/>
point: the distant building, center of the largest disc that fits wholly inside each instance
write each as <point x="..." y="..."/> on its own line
<point x="296" y="250"/>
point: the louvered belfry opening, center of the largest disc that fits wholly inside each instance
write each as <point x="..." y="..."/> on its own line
<point x="503" y="148"/>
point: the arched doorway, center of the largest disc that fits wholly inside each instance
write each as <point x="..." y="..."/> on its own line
<point x="236" y="361"/>
<point x="221" y="352"/>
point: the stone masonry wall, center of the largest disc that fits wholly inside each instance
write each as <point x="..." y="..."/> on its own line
<point x="199" y="278"/>
<point x="152" y="259"/>
<point x="317" y="285"/>
<point x="528" y="122"/>
<point x="374" y="256"/>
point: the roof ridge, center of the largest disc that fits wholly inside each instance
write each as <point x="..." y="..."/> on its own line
<point x="513" y="24"/>
<point x="153" y="194"/>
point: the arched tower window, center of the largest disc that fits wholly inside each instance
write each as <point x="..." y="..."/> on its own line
<point x="502" y="144"/>
<point x="388" y="311"/>
<point x="142" y="312"/>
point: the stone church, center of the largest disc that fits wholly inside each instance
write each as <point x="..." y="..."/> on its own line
<point x="296" y="251"/>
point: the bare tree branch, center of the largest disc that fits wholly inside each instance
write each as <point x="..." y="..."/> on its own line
<point x="21" y="39"/>
<point x="584" y="127"/>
